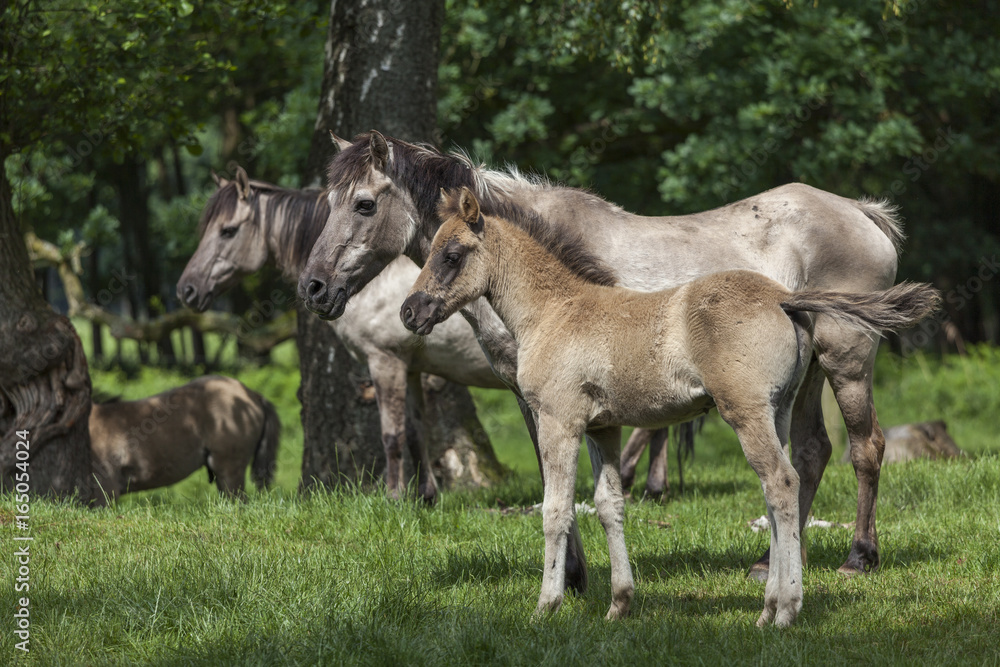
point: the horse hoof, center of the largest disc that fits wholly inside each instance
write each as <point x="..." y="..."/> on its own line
<point x="850" y="570"/>
<point x="546" y="608"/>
<point x="758" y="572"/>
<point x="616" y="613"/>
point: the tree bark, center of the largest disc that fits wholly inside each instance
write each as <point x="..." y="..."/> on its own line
<point x="44" y="383"/>
<point x="380" y="72"/>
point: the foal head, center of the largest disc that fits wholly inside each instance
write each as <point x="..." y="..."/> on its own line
<point x="232" y="243"/>
<point x="456" y="272"/>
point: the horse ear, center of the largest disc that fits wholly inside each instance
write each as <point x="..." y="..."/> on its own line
<point x="379" y="148"/>
<point x="341" y="144"/>
<point x="468" y="208"/>
<point x="242" y="182"/>
<point x="217" y="179"/>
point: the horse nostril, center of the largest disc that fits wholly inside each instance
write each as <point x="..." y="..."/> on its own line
<point x="408" y="314"/>
<point x="315" y="289"/>
<point x="190" y="293"/>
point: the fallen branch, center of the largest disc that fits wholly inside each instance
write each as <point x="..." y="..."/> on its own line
<point x="260" y="339"/>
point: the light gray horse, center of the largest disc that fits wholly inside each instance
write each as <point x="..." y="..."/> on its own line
<point x="246" y="222"/>
<point x="384" y="194"/>
<point x="595" y="356"/>
<point x="212" y="421"/>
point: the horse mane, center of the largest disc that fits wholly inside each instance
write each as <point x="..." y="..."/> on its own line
<point x="566" y="245"/>
<point x="302" y="213"/>
<point x="426" y="171"/>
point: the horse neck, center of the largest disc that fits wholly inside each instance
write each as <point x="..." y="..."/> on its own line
<point x="526" y="281"/>
<point x="278" y="231"/>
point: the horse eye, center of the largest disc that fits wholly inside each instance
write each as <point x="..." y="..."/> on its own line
<point x="229" y="232"/>
<point x="452" y="258"/>
<point x="365" y="206"/>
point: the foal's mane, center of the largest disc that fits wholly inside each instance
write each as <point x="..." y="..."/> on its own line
<point x="424" y="172"/>
<point x="566" y="246"/>
<point x="299" y="214"/>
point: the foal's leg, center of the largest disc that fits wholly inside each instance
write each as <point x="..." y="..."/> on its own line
<point x="426" y="484"/>
<point x="755" y="426"/>
<point x="657" y="482"/>
<point x="604" y="446"/>
<point x="810" y="451"/>
<point x="576" y="561"/>
<point x="849" y="361"/>
<point x="389" y="376"/>
<point x="559" y="445"/>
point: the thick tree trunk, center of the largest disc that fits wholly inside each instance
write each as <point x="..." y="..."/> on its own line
<point x="44" y="383"/>
<point x="381" y="72"/>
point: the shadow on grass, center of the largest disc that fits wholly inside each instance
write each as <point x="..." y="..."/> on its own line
<point x="485" y="567"/>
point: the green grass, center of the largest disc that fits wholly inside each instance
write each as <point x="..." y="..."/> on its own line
<point x="179" y="576"/>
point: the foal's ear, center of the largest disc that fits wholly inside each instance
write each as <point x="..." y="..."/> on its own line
<point x="218" y="179"/>
<point x="379" y="148"/>
<point x="242" y="182"/>
<point x="341" y="144"/>
<point x="468" y="208"/>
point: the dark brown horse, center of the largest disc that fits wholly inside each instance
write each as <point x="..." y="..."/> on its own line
<point x="213" y="422"/>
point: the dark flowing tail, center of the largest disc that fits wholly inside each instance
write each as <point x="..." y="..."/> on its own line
<point x="896" y="308"/>
<point x="265" y="457"/>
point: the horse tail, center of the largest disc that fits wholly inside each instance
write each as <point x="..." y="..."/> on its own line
<point x="885" y="216"/>
<point x="265" y="458"/>
<point x="896" y="308"/>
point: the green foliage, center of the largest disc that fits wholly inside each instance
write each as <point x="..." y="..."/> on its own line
<point x="685" y="106"/>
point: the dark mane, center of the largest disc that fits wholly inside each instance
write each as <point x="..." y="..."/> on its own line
<point x="425" y="171"/>
<point x="221" y="205"/>
<point x="300" y="215"/>
<point x="566" y="245"/>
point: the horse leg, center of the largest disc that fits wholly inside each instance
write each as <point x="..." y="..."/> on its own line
<point x="389" y="377"/>
<point x="763" y="449"/>
<point x="851" y="379"/>
<point x="576" y="561"/>
<point x="634" y="448"/>
<point x="230" y="476"/>
<point x="560" y="446"/>
<point x="811" y="450"/>
<point x="604" y="447"/>
<point x="426" y="484"/>
<point x="657" y="482"/>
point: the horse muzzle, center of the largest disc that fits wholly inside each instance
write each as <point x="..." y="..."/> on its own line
<point x="195" y="299"/>
<point x="326" y="301"/>
<point x="420" y="312"/>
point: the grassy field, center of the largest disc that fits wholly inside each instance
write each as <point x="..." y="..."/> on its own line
<point x="179" y="576"/>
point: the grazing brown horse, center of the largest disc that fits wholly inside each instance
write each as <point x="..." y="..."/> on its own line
<point x="593" y="356"/>
<point x="213" y="421"/>
<point x="384" y="195"/>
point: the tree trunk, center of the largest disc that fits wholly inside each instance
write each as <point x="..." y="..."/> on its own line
<point x="381" y="72"/>
<point x="44" y="383"/>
